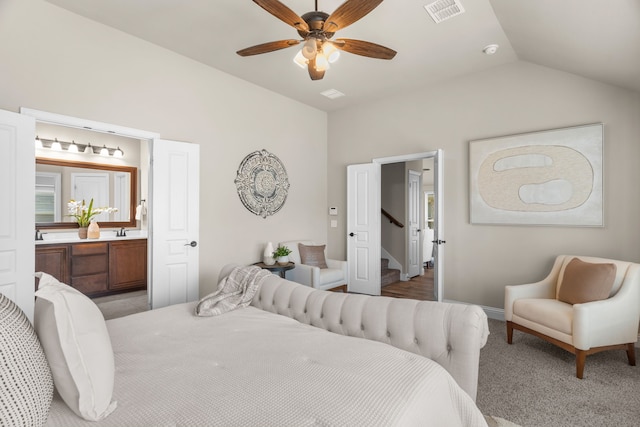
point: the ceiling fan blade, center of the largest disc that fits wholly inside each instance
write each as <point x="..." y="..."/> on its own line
<point x="267" y="47"/>
<point x="362" y="48"/>
<point x="348" y="13"/>
<point x="283" y="13"/>
<point x="313" y="73"/>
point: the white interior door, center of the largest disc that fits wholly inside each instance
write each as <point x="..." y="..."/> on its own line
<point x="414" y="264"/>
<point x="121" y="195"/>
<point x="438" y="224"/>
<point x="17" y="218"/>
<point x="363" y="228"/>
<point x="174" y="222"/>
<point x="87" y="186"/>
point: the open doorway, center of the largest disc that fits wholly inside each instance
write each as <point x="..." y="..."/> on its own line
<point x="365" y="218"/>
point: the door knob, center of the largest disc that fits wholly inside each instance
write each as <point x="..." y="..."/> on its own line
<point x="193" y="244"/>
<point x="352" y="234"/>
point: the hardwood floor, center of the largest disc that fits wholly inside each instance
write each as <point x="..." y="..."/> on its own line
<point x="419" y="287"/>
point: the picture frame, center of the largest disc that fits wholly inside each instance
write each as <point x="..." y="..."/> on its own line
<point x="551" y="177"/>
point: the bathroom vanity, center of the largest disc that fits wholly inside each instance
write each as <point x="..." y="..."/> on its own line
<point x="99" y="267"/>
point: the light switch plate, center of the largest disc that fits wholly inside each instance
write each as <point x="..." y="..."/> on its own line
<point x="333" y="211"/>
<point x="334" y="223"/>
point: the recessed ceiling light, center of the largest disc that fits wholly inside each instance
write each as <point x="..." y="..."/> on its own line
<point x="490" y="49"/>
<point x="441" y="10"/>
<point x="332" y="93"/>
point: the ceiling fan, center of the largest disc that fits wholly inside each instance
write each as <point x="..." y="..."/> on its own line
<point x="316" y="29"/>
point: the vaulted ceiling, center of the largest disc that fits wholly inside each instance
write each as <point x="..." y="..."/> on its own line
<point x="595" y="39"/>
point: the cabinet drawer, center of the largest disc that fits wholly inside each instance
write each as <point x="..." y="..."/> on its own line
<point x="91" y="284"/>
<point x="89" y="264"/>
<point x="89" y="248"/>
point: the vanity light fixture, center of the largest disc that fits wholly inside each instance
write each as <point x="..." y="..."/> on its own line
<point x="73" y="147"/>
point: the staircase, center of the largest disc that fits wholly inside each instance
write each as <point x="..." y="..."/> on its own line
<point x="388" y="275"/>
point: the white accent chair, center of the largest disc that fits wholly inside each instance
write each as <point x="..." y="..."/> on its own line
<point x="332" y="278"/>
<point x="582" y="329"/>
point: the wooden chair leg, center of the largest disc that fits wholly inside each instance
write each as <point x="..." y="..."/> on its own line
<point x="631" y="354"/>
<point x="581" y="358"/>
<point x="509" y="332"/>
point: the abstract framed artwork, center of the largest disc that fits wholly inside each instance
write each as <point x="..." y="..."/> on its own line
<point x="552" y="177"/>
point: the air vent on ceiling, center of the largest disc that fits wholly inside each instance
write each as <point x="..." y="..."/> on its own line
<point x="441" y="10"/>
<point x="332" y="93"/>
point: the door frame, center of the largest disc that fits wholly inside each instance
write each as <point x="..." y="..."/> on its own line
<point x="438" y="190"/>
<point x="101" y="127"/>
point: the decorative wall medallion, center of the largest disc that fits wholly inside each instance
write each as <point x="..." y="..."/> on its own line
<point x="262" y="183"/>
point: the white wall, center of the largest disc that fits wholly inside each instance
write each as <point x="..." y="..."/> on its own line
<point x="393" y="195"/>
<point x="514" y="98"/>
<point x="53" y="60"/>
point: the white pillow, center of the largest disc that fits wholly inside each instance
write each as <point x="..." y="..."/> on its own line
<point x="76" y="342"/>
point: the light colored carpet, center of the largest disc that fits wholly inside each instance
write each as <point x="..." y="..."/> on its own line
<point x="122" y="304"/>
<point x="533" y="383"/>
<point x="499" y="422"/>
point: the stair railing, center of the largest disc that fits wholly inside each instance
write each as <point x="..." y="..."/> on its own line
<point x="391" y="218"/>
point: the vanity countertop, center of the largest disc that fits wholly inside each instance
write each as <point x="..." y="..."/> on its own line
<point x="53" y="238"/>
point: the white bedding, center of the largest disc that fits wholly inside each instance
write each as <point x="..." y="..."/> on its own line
<point x="253" y="368"/>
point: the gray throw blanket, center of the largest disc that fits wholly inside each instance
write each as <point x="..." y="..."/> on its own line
<point x="234" y="291"/>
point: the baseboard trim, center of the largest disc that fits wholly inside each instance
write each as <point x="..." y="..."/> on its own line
<point x="491" y="312"/>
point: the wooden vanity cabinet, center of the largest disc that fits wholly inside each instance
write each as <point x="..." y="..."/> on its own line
<point x="128" y="264"/>
<point x="97" y="268"/>
<point x="53" y="259"/>
<point x="90" y="267"/>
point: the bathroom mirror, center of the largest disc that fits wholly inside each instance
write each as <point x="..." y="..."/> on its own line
<point x="59" y="181"/>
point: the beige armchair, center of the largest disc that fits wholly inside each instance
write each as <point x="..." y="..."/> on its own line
<point x="333" y="277"/>
<point x="580" y="328"/>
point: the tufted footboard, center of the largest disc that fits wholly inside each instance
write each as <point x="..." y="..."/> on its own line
<point x="449" y="334"/>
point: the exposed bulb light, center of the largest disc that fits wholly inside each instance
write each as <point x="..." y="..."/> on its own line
<point x="118" y="153"/>
<point x="38" y="142"/>
<point x="300" y="60"/>
<point x="55" y="145"/>
<point x="88" y="149"/>
<point x="310" y="48"/>
<point x="104" y="151"/>
<point x="73" y="147"/>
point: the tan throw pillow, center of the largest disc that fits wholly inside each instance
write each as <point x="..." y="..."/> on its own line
<point x="312" y="255"/>
<point x="585" y="282"/>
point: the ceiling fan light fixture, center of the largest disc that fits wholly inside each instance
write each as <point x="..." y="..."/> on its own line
<point x="322" y="64"/>
<point x="300" y="60"/>
<point x="330" y="52"/>
<point x="310" y="48"/>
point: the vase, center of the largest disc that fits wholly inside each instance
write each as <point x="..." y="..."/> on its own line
<point x="267" y="255"/>
<point x="283" y="260"/>
<point x="82" y="232"/>
<point x="93" y="231"/>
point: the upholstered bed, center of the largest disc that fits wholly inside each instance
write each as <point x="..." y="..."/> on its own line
<point x="296" y="356"/>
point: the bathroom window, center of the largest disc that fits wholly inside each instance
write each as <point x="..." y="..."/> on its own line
<point x="47" y="197"/>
